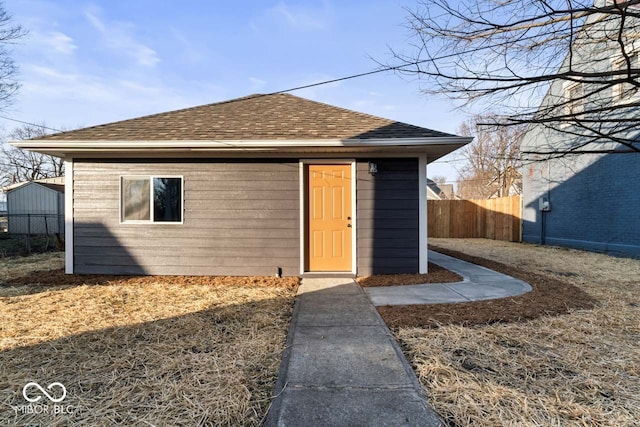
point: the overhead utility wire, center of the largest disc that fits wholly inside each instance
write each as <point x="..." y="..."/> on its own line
<point x="353" y="76"/>
<point x="325" y="82"/>
<point x="31" y="124"/>
<point x="395" y="67"/>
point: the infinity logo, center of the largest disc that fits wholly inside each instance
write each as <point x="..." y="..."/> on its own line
<point x="51" y="398"/>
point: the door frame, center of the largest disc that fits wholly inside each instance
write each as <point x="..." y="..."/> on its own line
<point x="303" y="163"/>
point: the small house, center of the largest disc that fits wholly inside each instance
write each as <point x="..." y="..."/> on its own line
<point x="259" y="185"/>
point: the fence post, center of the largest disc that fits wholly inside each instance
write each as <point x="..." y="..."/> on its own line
<point x="29" y="234"/>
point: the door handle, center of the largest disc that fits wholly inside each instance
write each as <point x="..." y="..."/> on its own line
<point x="349" y="225"/>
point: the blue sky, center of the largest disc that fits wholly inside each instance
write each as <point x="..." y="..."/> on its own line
<point x="86" y="63"/>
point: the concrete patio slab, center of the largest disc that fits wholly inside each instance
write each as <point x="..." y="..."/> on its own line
<point x="479" y="283"/>
<point x="435" y="293"/>
<point x="473" y="292"/>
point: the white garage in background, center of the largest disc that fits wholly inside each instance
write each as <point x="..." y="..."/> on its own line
<point x="36" y="208"/>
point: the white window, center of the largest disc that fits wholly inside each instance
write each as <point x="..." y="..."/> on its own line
<point x="574" y="94"/>
<point x="156" y="199"/>
<point x="625" y="91"/>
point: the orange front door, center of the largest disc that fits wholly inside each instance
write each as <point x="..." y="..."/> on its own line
<point x="329" y="211"/>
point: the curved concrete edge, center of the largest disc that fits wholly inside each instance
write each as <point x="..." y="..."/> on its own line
<point x="478" y="284"/>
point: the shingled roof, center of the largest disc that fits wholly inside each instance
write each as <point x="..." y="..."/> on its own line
<point x="256" y="117"/>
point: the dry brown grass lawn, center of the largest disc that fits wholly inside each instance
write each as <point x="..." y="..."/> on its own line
<point x="575" y="369"/>
<point x="141" y="351"/>
<point x="13" y="267"/>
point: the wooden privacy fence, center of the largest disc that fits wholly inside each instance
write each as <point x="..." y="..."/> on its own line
<point x="497" y="219"/>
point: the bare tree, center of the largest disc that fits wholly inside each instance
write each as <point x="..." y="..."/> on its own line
<point x="492" y="160"/>
<point x="504" y="55"/>
<point x="17" y="165"/>
<point x="9" y="34"/>
<point x="439" y="179"/>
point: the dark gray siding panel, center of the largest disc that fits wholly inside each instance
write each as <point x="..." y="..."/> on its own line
<point x="387" y="213"/>
<point x="240" y="218"/>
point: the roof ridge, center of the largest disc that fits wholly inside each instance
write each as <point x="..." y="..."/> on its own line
<point x="147" y="116"/>
<point x="359" y="113"/>
<point x="267" y="116"/>
<point x="336" y="107"/>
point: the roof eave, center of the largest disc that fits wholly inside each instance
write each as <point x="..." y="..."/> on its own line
<point x="65" y="148"/>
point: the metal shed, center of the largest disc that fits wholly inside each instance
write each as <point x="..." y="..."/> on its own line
<point x="36" y="208"/>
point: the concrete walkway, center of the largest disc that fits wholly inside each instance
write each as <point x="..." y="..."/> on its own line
<point x="478" y="283"/>
<point x="342" y="366"/>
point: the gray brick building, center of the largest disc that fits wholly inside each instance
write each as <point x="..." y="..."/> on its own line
<point x="580" y="187"/>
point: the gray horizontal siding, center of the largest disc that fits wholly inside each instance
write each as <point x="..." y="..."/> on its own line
<point x="240" y="218"/>
<point x="370" y="204"/>
<point x="402" y="252"/>
<point x="182" y="242"/>
<point x="380" y="214"/>
<point x="107" y="202"/>
<point x="390" y="243"/>
<point x="144" y="231"/>
<point x="387" y="213"/>
<point x="394" y="265"/>
<point x="194" y="262"/>
<point x="212" y="195"/>
<point x="211" y="250"/>
<point x="170" y="270"/>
